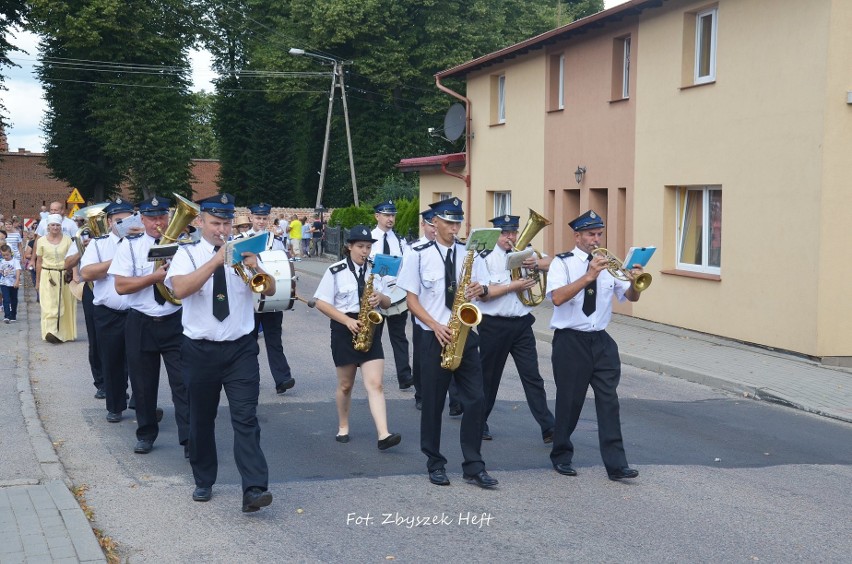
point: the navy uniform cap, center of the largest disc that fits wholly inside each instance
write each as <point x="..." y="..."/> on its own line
<point x="119" y="206"/>
<point x="221" y="206"/>
<point x="385" y="207"/>
<point x="589" y="220"/>
<point x="360" y="233"/>
<point x="428" y="215"/>
<point x="449" y="210"/>
<point x="154" y="205"/>
<point x="507" y="222"/>
<point x="260" y="209"/>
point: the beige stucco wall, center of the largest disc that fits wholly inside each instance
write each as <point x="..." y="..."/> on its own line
<point x="759" y="133"/>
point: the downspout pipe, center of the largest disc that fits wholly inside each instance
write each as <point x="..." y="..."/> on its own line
<point x="467" y="137"/>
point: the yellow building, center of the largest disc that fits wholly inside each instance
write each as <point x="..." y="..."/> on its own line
<point x="673" y="119"/>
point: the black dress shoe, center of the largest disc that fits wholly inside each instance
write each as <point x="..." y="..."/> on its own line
<point x="418" y="405"/>
<point x="482" y="479"/>
<point x="547" y="436"/>
<point x="202" y="494"/>
<point x="405" y="384"/>
<point x="623" y="473"/>
<point x="100" y="394"/>
<point x="144" y="446"/>
<point x="389" y="441"/>
<point x="486" y="435"/>
<point x="53" y="339"/>
<point x="113" y="417"/>
<point x="186" y="451"/>
<point x="439" y="477"/>
<point x="284" y="386"/>
<point x="456" y="410"/>
<point x="565" y="469"/>
<point x="255" y="498"/>
<point x="158" y="414"/>
<point x="342" y="438"/>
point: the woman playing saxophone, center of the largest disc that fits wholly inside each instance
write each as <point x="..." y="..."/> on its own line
<point x="347" y="299"/>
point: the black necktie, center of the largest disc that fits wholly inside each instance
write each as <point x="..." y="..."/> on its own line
<point x="361" y="283"/>
<point x="450" y="279"/>
<point x="590" y="297"/>
<point x="220" y="292"/>
<point x="386" y="249"/>
<point x="158" y="296"/>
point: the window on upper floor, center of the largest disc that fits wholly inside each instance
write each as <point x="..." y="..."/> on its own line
<point x="498" y="99"/>
<point x="705" y="46"/>
<point x="621" y="68"/>
<point x="699" y="228"/>
<point x="556" y="82"/>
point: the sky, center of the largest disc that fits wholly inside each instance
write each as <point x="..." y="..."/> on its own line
<point x="25" y="105"/>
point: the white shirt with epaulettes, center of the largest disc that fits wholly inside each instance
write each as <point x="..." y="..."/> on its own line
<point x="339" y="286"/>
<point x="101" y="250"/>
<point x="131" y="260"/>
<point x="422" y="274"/>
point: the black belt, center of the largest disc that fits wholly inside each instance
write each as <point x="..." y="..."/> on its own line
<point x="115" y="311"/>
<point x="576" y="332"/>
<point x="156" y="319"/>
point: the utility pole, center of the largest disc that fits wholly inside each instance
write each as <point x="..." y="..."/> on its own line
<point x="336" y="82"/>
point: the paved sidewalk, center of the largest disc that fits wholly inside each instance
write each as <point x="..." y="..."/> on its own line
<point x="40" y="521"/>
<point x="713" y="361"/>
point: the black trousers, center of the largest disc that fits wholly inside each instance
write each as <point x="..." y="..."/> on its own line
<point x="417" y="338"/>
<point x="148" y="340"/>
<point x="278" y="365"/>
<point x="499" y="337"/>
<point x="399" y="344"/>
<point x="581" y="359"/>
<point x="91" y="334"/>
<point x="110" y="329"/>
<point x="435" y="381"/>
<point x="209" y="367"/>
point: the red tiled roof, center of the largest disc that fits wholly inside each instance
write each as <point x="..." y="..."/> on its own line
<point x="421" y="163"/>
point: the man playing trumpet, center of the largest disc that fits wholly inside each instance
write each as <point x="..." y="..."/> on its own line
<point x="584" y="354"/>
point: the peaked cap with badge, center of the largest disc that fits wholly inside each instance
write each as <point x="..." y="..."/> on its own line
<point x="154" y="206"/>
<point x="221" y="206"/>
<point x="507" y="222"/>
<point x="589" y="220"/>
<point x="449" y="210"/>
<point x="360" y="233"/>
<point x="385" y="207"/>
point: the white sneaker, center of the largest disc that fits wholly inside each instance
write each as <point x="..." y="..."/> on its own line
<point x="5" y="320"/>
<point x="13" y="320"/>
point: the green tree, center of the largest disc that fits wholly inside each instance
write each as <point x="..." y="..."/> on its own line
<point x="201" y="134"/>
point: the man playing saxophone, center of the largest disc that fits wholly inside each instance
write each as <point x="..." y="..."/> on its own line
<point x="431" y="276"/>
<point x="506" y="328"/>
<point x="348" y="296"/>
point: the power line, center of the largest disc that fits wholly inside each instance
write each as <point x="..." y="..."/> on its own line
<point x="163" y="87"/>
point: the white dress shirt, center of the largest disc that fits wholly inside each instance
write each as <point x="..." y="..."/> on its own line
<point x="569" y="315"/>
<point x="422" y="274"/>
<point x="198" y="320"/>
<point x="397" y="246"/>
<point x="508" y="305"/>
<point x="131" y="260"/>
<point x="101" y="250"/>
<point x="339" y="286"/>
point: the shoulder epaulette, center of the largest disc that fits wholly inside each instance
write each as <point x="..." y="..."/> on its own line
<point x="565" y="255"/>
<point x="133" y="236"/>
<point x="278" y="238"/>
<point x="335" y="268"/>
<point x="485" y="253"/>
<point x="190" y="243"/>
<point x="419" y="248"/>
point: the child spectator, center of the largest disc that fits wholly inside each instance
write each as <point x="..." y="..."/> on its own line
<point x="10" y="280"/>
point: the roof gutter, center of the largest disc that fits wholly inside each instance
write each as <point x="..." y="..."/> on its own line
<point x="467" y="137"/>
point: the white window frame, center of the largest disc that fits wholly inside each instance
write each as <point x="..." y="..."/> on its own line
<point x="625" y="71"/>
<point x="444" y="196"/>
<point x="704" y="267"/>
<point x="502" y="203"/>
<point x="713" y="14"/>
<point x="501" y="98"/>
<point x="561" y="82"/>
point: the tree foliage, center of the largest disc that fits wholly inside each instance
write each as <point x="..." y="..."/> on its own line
<point x="115" y="74"/>
<point x="13" y="13"/>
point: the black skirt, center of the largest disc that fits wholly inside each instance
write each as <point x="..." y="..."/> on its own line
<point x="343" y="351"/>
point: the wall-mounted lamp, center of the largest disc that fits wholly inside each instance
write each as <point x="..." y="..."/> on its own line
<point x="579" y="173"/>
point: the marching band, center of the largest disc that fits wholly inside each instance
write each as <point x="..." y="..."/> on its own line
<point x="198" y="303"/>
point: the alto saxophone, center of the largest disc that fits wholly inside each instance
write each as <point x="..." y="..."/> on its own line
<point x="463" y="316"/>
<point x="368" y="318"/>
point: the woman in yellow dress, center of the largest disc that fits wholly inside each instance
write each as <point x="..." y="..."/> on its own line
<point x="58" y="306"/>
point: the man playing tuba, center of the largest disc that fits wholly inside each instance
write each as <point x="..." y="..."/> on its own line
<point x="507" y="327"/>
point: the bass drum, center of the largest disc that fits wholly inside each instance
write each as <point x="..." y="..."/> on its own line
<point x="277" y="264"/>
<point x="398" y="304"/>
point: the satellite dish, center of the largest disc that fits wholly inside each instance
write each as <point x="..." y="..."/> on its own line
<point x="454" y="121"/>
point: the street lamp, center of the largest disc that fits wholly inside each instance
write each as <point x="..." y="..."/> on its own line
<point x="579" y="174"/>
<point x="336" y="80"/>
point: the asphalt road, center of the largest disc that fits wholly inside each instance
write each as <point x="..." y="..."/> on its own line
<point x="722" y="478"/>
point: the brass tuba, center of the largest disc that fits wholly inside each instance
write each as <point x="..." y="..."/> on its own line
<point x="531" y="297"/>
<point x="616" y="269"/>
<point x="185" y="212"/>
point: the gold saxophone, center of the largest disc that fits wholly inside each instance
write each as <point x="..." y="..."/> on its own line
<point x="369" y="319"/>
<point x="463" y="316"/>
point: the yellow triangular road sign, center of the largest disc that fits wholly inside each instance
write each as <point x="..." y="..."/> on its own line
<point x="75" y="197"/>
<point x="74" y="209"/>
